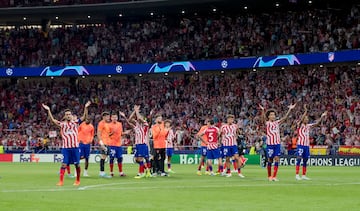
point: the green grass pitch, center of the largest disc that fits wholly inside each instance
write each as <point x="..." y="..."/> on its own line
<point x="31" y="186"/>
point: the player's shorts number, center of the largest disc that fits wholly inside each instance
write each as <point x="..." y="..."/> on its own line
<point x="113" y="152"/>
<point x="226" y="151"/>
<point x="270" y="152"/>
<point x="300" y="152"/>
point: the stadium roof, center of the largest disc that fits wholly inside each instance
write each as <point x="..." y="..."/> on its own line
<point x="100" y="13"/>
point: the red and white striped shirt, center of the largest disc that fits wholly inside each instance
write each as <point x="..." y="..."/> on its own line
<point x="272" y="133"/>
<point x="141" y="133"/>
<point x="170" y="139"/>
<point x="303" y="135"/>
<point x="228" y="134"/>
<point x="212" y="135"/>
<point x="69" y="134"/>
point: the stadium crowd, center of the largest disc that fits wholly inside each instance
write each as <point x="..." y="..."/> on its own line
<point x="192" y="37"/>
<point x="188" y="99"/>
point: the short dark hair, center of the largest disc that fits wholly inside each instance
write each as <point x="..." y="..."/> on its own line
<point x="158" y="115"/>
<point x="105" y="113"/>
<point x="206" y="120"/>
<point x="267" y="114"/>
<point x="212" y="122"/>
<point x="66" y="110"/>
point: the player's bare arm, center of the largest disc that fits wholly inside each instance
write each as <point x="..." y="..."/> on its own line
<point x="263" y="117"/>
<point x="132" y="115"/>
<point x="52" y="119"/>
<point x="291" y="107"/>
<point x="201" y="139"/>
<point x="303" y="116"/>
<point x="317" y="122"/>
<point x="122" y="114"/>
<point x="152" y="112"/>
<point x="139" y="117"/>
<point x="86" y="111"/>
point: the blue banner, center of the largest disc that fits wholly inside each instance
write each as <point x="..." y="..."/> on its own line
<point x="187" y="66"/>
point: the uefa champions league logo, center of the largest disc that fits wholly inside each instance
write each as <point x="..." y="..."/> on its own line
<point x="80" y="70"/>
<point x="186" y="66"/>
<point x="224" y="64"/>
<point x="290" y="60"/>
<point x="118" y="69"/>
<point x="9" y="71"/>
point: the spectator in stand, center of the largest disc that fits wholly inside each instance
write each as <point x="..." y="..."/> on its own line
<point x="184" y="38"/>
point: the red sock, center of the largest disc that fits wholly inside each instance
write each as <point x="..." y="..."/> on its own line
<point x="221" y="169"/>
<point x="199" y="168"/>
<point x="120" y="167"/>
<point x="235" y="165"/>
<point x="297" y="169"/>
<point x="207" y="167"/>
<point x="68" y="169"/>
<point x="111" y="167"/>
<point x="141" y="169"/>
<point x="269" y="170"/>
<point x="304" y="170"/>
<point x="239" y="170"/>
<point x="78" y="170"/>
<point x="275" y="170"/>
<point x="62" y="172"/>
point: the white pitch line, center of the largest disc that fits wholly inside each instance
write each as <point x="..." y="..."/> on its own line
<point x="106" y="186"/>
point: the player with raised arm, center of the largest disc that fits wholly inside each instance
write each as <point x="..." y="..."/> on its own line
<point x="70" y="143"/>
<point x="141" y="129"/>
<point x="273" y="138"/>
<point x="203" y="148"/>
<point x="229" y="133"/>
<point x="86" y="136"/>
<point x="212" y="133"/>
<point x="303" y="143"/>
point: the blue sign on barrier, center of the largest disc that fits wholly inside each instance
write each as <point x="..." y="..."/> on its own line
<point x="187" y="66"/>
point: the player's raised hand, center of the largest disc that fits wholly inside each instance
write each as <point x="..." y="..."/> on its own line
<point x="122" y="114"/>
<point x="292" y="106"/>
<point x="45" y="107"/>
<point x="324" y="114"/>
<point x="152" y="111"/>
<point x="137" y="107"/>
<point x="88" y="103"/>
<point x="305" y="107"/>
<point x="261" y="107"/>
